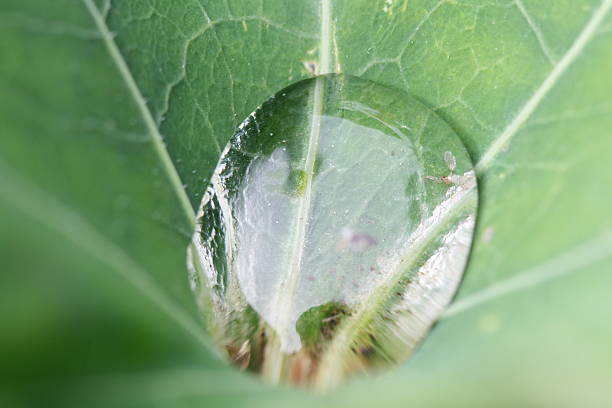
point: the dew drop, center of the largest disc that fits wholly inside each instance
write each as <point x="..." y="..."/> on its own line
<point x="332" y="236"/>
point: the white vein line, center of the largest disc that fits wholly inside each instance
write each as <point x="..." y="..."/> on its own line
<point x="325" y="46"/>
<point x="289" y="282"/>
<point x="572" y="261"/>
<point x="536" y="30"/>
<point x="420" y="24"/>
<point x="38" y="204"/>
<point x="156" y="137"/>
<point x="587" y="33"/>
<point x="298" y="241"/>
<point x="397" y="59"/>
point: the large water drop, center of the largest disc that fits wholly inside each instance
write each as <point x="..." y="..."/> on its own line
<point x="334" y="231"/>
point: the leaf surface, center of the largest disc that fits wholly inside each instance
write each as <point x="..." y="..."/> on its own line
<point x="525" y="84"/>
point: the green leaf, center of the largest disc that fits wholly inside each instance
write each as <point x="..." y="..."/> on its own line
<point x="96" y="309"/>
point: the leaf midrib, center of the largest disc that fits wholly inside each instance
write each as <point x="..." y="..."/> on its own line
<point x="289" y="283"/>
<point x="283" y="300"/>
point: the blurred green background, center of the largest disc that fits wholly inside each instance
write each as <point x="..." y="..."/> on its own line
<point x="107" y="108"/>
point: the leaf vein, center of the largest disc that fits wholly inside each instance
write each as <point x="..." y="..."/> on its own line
<point x="156" y="137"/>
<point x="577" y="258"/>
<point x="27" y="198"/>
<point x="537" y="32"/>
<point x="500" y="143"/>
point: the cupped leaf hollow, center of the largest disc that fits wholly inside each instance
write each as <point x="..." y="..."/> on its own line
<point x="334" y="231"/>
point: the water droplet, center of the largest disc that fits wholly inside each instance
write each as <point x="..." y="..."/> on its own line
<point x="300" y="288"/>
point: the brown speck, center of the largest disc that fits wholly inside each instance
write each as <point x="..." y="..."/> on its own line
<point x="366" y="351"/>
